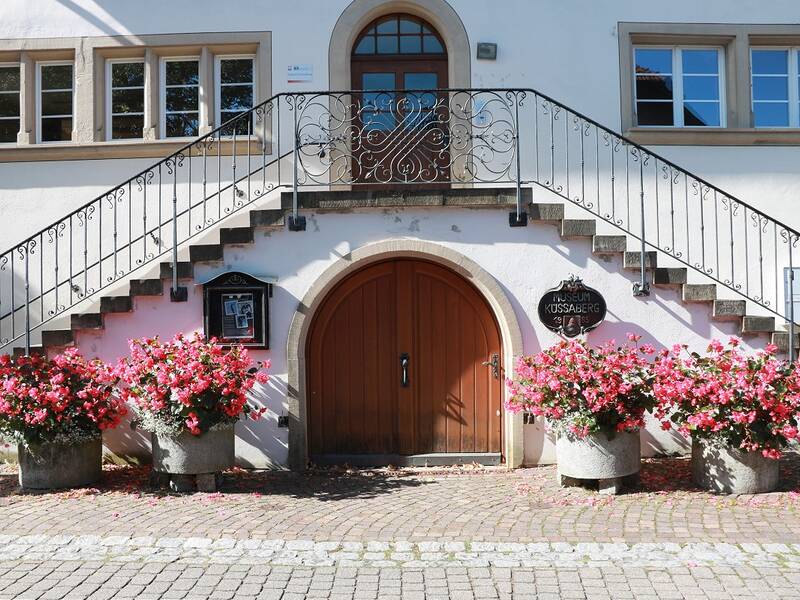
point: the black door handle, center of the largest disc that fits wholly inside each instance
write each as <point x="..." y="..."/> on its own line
<point x="494" y="364"/>
<point x="404" y="369"/>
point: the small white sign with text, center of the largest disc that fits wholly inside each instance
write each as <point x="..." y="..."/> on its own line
<point x="300" y="74"/>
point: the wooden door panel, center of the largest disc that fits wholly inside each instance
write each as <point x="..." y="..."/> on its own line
<point x="455" y="333"/>
<point x="352" y="375"/>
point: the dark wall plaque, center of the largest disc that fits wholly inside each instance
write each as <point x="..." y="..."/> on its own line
<point x="236" y="309"/>
<point x="572" y="308"/>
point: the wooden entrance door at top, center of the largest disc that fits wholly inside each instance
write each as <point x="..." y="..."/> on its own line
<point x="403" y="134"/>
<point x="357" y="402"/>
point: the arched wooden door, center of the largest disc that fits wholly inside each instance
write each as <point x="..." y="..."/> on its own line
<point x="403" y="363"/>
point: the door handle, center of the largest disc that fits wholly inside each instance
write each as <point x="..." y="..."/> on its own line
<point x="404" y="369"/>
<point x="495" y="364"/>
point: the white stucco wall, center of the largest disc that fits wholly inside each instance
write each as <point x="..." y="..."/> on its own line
<point x="568" y="50"/>
<point x="524" y="261"/>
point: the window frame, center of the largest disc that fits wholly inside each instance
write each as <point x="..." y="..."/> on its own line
<point x="218" y="58"/>
<point x="677" y="86"/>
<point x="109" y="89"/>
<point x="793" y="97"/>
<point x="162" y="94"/>
<point x="38" y="99"/>
<point x="5" y="65"/>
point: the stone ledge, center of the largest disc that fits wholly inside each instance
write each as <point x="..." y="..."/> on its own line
<point x="351" y="199"/>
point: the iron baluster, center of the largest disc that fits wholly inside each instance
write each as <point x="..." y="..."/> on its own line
<point x="189" y="190"/>
<point x="233" y="167"/>
<point x="249" y="134"/>
<point x="204" y="184"/>
<point x="792" y="239"/>
<point x="175" y="227"/>
<point x="746" y="255"/>
<point x="519" y="220"/>
<point x="642" y="287"/>
<point x="733" y="250"/>
<point x="686" y="200"/>
<point x="716" y="230"/>
<point x="41" y="278"/>
<point x="658" y="209"/>
<point x="27" y="302"/>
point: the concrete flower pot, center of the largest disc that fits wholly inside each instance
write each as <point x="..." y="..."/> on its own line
<point x="52" y="466"/>
<point x="732" y="471"/>
<point x="187" y="454"/>
<point x="596" y="457"/>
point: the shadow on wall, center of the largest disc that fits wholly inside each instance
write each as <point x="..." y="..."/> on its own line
<point x="263" y="436"/>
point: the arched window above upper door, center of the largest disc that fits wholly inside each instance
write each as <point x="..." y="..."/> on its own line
<point x="399" y="35"/>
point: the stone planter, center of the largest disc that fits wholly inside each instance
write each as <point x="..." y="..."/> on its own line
<point x="51" y="466"/>
<point x="611" y="462"/>
<point x="732" y="471"/>
<point x="188" y="458"/>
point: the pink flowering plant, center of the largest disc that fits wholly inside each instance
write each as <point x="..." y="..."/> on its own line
<point x="747" y="401"/>
<point x="583" y="390"/>
<point x="66" y="399"/>
<point x="189" y="384"/>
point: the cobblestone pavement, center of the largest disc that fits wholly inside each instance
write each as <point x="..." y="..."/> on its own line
<point x="457" y="533"/>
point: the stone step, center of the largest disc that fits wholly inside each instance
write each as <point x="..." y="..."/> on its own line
<point x="57" y="337"/>
<point x="18" y="351"/>
<point x="781" y="340"/>
<point x="754" y="324"/>
<point x="267" y="218"/>
<point x="667" y="276"/>
<point x="206" y="253"/>
<point x="632" y="260"/>
<point x="577" y="228"/>
<point x="702" y="292"/>
<point x="116" y="304"/>
<point x="728" y="310"/>
<point x="546" y="212"/>
<point x="146" y="287"/>
<point x="609" y="244"/>
<point x="236" y="235"/>
<point x="185" y="270"/>
<point x="86" y="321"/>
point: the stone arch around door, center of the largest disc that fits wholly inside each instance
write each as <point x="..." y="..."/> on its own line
<point x="488" y="288"/>
<point x="360" y="13"/>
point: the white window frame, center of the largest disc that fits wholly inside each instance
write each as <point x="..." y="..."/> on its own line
<point x="218" y="85"/>
<point x="108" y="104"/>
<point x="162" y="94"/>
<point x="5" y="65"/>
<point x="677" y="86"/>
<point x="792" y="75"/>
<point x="52" y="63"/>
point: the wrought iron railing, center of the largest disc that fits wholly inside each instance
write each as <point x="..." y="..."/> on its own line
<point x="398" y="139"/>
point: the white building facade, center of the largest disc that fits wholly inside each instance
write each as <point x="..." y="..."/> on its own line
<point x="408" y="178"/>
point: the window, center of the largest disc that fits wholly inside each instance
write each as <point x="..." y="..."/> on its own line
<point x="235" y="78"/>
<point x="54" y="101"/>
<point x="679" y="87"/>
<point x="399" y="34"/>
<point x="180" y="97"/>
<point x="9" y="103"/>
<point x="774" y="87"/>
<point x="125" y="102"/>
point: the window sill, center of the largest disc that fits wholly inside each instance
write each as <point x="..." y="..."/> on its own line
<point x="113" y="150"/>
<point x="655" y="136"/>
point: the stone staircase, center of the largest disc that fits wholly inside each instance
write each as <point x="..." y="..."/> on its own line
<point x="538" y="214"/>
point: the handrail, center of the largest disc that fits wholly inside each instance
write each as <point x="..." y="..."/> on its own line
<point x="508" y="136"/>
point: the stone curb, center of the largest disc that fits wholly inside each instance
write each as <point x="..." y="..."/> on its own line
<point x="399" y="554"/>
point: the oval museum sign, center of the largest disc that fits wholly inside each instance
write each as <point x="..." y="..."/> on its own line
<point x="572" y="308"/>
